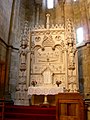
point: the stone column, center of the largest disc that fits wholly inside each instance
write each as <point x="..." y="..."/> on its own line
<point x="21" y="97"/>
<point x="72" y="58"/>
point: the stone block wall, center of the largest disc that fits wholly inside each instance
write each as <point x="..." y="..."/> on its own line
<point x="84" y="69"/>
<point x="5" y="15"/>
<point x="84" y="74"/>
<point x="23" y="11"/>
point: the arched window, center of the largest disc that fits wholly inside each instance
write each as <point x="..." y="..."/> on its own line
<point x="50" y="4"/>
<point x="79" y="35"/>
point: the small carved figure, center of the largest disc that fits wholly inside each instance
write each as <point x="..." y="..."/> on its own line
<point x="71" y="53"/>
<point x="47" y="75"/>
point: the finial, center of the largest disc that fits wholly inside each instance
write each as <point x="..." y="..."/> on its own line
<point x="48" y="20"/>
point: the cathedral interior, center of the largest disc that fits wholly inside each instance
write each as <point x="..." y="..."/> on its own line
<point x="44" y="44"/>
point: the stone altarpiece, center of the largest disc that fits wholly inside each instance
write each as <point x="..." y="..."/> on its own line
<point x="50" y="58"/>
<point x="54" y="55"/>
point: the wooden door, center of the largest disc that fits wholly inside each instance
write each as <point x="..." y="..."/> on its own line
<point x="2" y="78"/>
<point x="69" y="106"/>
<point x="69" y="110"/>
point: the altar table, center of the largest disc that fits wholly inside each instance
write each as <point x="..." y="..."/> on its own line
<point x="44" y="90"/>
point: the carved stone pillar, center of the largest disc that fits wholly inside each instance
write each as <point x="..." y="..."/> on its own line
<point x="21" y="97"/>
<point x="72" y="58"/>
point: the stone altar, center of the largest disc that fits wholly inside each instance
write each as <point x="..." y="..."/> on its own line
<point x="50" y="57"/>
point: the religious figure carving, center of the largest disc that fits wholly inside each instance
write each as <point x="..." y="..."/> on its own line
<point x="72" y="84"/>
<point x="47" y="76"/>
<point x="21" y="97"/>
<point x="71" y="55"/>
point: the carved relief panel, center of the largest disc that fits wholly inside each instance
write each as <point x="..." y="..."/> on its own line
<point x="48" y="59"/>
<point x="53" y="55"/>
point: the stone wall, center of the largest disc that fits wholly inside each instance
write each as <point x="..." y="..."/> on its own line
<point x="84" y="69"/>
<point x="84" y="74"/>
<point x="82" y="19"/>
<point x="88" y="16"/>
<point x="23" y="11"/>
<point x="5" y="15"/>
<point x="14" y="52"/>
